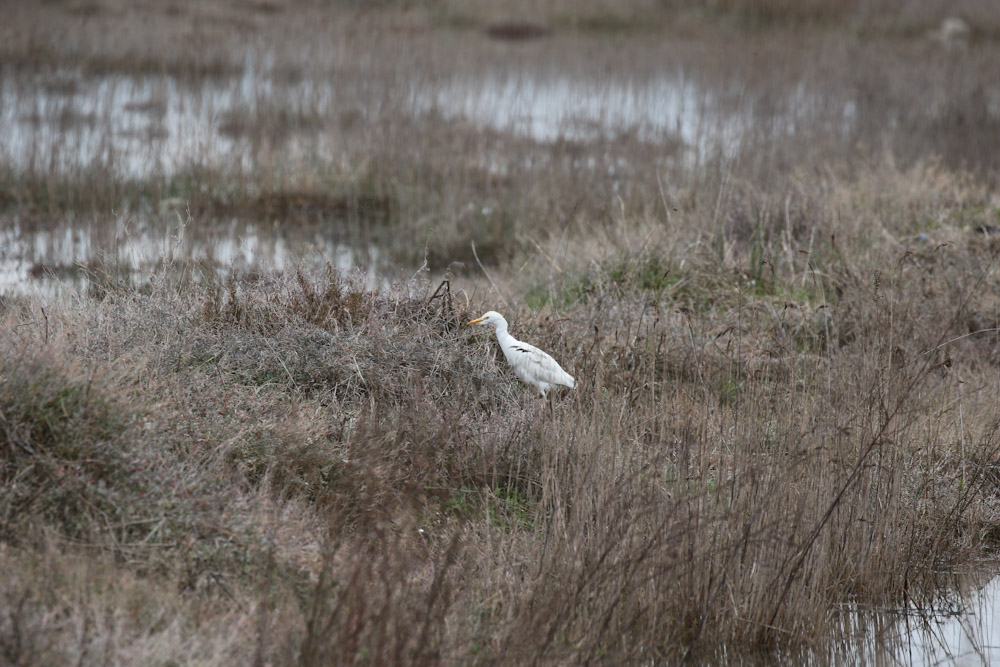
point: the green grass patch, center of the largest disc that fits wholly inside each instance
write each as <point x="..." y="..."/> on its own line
<point x="62" y="457"/>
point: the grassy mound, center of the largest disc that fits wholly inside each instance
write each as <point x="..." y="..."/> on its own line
<point x="355" y="476"/>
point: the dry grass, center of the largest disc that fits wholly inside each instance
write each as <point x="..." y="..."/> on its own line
<point x="334" y="474"/>
<point x="786" y="358"/>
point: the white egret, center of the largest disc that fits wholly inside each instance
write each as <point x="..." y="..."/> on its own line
<point x="533" y="366"/>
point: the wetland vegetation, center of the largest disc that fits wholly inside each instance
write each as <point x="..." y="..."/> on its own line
<point x="240" y="418"/>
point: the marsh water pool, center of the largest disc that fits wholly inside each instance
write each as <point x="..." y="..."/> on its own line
<point x="955" y="631"/>
<point x="142" y="127"/>
<point x="157" y="125"/>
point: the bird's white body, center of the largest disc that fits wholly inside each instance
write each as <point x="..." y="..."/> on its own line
<point x="533" y="366"/>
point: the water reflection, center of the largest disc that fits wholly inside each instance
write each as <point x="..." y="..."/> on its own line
<point x="145" y="125"/>
<point x="966" y="634"/>
<point x="63" y="255"/>
<point x="156" y="126"/>
<point x="954" y="630"/>
<point x="153" y="126"/>
<point x="549" y="108"/>
<point x="670" y="108"/>
<point x="140" y="126"/>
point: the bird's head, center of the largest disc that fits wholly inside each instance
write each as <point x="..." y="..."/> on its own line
<point x="492" y="317"/>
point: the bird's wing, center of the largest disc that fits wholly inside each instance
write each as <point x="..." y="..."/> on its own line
<point x="537" y="365"/>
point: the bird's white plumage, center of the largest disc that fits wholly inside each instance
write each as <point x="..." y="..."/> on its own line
<point x="533" y="366"/>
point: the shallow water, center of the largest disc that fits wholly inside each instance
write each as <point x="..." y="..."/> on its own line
<point x="147" y="125"/>
<point x="51" y="260"/>
<point x="955" y="630"/>
<point x="966" y="634"/>
<point x="140" y="126"/>
<point x="670" y="108"/>
<point x="155" y="126"/>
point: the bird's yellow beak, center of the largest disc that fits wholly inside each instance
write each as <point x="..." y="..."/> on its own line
<point x="475" y="321"/>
